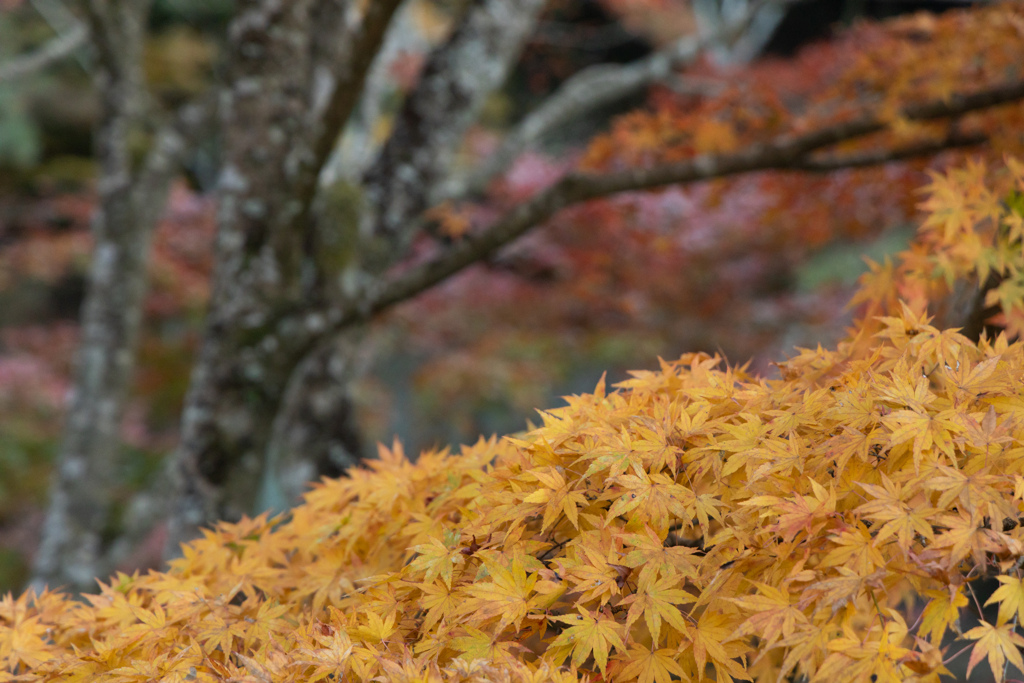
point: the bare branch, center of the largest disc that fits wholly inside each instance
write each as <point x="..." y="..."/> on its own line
<point x="885" y="156"/>
<point x="361" y="50"/>
<point x="456" y="80"/>
<point x="358" y="146"/>
<point x="53" y="51"/>
<point x="111" y="28"/>
<point x="786" y="152"/>
<point x="596" y="87"/>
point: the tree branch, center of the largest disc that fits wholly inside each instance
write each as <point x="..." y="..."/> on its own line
<point x="596" y="87"/>
<point x="838" y="162"/>
<point x="456" y="80"/>
<point x="53" y="51"/>
<point x="361" y="50"/>
<point x="790" y="152"/>
<point x="109" y="30"/>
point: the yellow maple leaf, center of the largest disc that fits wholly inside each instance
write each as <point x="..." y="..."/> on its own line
<point x="587" y="633"/>
<point x="657" y="601"/>
<point x="651" y="666"/>
<point x="1010" y="596"/>
<point x="999" y="644"/>
<point x="506" y="596"/>
<point x="942" y="611"/>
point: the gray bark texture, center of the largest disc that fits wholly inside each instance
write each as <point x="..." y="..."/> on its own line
<point x="262" y="392"/>
<point x="288" y="95"/>
<point x="314" y="432"/>
<point x="131" y="198"/>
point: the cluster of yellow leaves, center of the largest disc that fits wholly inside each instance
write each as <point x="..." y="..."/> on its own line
<point x="697" y="523"/>
<point x="968" y="254"/>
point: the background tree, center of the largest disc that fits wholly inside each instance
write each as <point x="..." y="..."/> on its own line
<point x="310" y="249"/>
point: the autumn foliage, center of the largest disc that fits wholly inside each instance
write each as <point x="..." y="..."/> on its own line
<point x="696" y="523"/>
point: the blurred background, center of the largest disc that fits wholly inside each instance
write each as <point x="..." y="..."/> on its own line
<point x="748" y="268"/>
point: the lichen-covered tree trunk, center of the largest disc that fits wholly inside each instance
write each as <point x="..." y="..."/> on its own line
<point x="294" y="71"/>
<point x="315" y="434"/>
<point x="263" y="321"/>
<point x="131" y="197"/>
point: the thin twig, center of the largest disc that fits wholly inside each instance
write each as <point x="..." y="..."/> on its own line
<point x="42" y="57"/>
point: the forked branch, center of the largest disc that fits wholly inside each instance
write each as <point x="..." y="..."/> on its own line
<point x="792" y="152"/>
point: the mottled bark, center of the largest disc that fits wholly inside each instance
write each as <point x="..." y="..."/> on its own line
<point x="457" y="79"/>
<point x="131" y="198"/>
<point x="359" y="145"/>
<point x="258" y="330"/>
<point x="315" y="434"/>
<point x="287" y="96"/>
<point x="316" y="417"/>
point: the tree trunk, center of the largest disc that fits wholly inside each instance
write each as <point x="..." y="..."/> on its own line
<point x="72" y="548"/>
<point x="262" y="321"/>
<point x="289" y="92"/>
<point x="315" y="433"/>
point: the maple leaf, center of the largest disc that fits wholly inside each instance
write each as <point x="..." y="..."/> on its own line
<point x="651" y="666"/>
<point x="655" y="498"/>
<point x="999" y="644"/>
<point x="970" y="380"/>
<point x="1010" y="596"/>
<point x="657" y="601"/>
<point x="855" y="549"/>
<point x="507" y="595"/>
<point x="925" y="429"/>
<point x="557" y="496"/>
<point x="377" y="629"/>
<point x="217" y="632"/>
<point x="965" y="535"/>
<point x="774" y="615"/>
<point x="587" y="633"/>
<point x="651" y="555"/>
<point x="436" y="559"/>
<point x="708" y="642"/>
<point x="988" y="432"/>
<point x="848" y="587"/>
<point x="747" y="442"/>
<point x="478" y="644"/>
<point x="594" y="578"/>
<point x="615" y="458"/>
<point x="856" y="658"/>
<point x="439" y="601"/>
<point x="266" y="624"/>
<point x="975" y="489"/>
<point x="900" y="518"/>
<point x="331" y="656"/>
<point x="800" y="513"/>
<point x="942" y="611"/>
